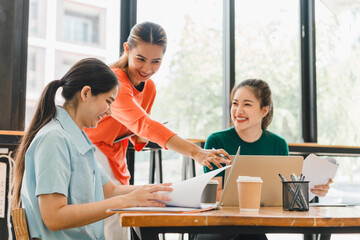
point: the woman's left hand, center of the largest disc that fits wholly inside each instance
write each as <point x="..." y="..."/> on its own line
<point x="206" y="157"/>
<point x="321" y="190"/>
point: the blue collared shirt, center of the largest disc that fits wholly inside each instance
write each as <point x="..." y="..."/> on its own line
<point x="60" y="159"/>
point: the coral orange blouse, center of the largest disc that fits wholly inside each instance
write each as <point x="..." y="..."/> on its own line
<point x="130" y="114"/>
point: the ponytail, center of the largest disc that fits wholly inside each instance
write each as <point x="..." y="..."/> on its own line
<point x="45" y="111"/>
<point x="121" y="63"/>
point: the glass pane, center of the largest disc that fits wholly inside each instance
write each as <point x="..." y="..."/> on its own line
<point x="81" y="23"/>
<point x="37" y="15"/>
<point x="346" y="186"/>
<point x="338" y="72"/>
<point x="35" y="79"/>
<point x="190" y="77"/>
<point x="83" y="34"/>
<point x="267" y="47"/>
<point x="189" y="82"/>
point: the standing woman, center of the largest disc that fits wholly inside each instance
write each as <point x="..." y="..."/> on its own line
<point x="64" y="191"/>
<point x="142" y="57"/>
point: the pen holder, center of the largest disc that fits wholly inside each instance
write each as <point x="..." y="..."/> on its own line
<point x="296" y="195"/>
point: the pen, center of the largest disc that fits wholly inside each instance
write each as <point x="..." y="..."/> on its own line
<point x="221" y="155"/>
<point x="282" y="178"/>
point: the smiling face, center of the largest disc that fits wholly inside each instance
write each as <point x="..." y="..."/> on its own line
<point x="93" y="108"/>
<point x="144" y="60"/>
<point x="246" y="111"/>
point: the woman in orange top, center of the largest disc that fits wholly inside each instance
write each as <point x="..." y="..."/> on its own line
<point x="142" y="57"/>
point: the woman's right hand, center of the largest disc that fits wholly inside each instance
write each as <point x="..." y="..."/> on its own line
<point x="149" y="195"/>
<point x="206" y="157"/>
<point x="202" y="156"/>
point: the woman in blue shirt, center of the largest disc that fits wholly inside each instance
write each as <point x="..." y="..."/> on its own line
<point x="64" y="192"/>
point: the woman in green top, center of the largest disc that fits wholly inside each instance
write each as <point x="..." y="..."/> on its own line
<point x="251" y="114"/>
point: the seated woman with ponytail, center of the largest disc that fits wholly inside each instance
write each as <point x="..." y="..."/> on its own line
<point x="57" y="180"/>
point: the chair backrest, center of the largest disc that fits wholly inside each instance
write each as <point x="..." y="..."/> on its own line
<point x="19" y="224"/>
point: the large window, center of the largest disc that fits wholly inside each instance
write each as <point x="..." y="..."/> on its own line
<point x="267" y="47"/>
<point x="338" y="72"/>
<point x="61" y="33"/>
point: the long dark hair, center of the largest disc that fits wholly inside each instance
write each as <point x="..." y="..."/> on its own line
<point x="262" y="92"/>
<point x="145" y="32"/>
<point x="87" y="72"/>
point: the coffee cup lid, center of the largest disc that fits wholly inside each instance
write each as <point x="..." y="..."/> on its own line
<point x="248" y="179"/>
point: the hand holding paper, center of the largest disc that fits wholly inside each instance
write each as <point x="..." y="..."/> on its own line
<point x="321" y="190"/>
<point x="318" y="170"/>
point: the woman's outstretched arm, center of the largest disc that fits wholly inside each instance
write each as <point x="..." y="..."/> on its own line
<point x="202" y="156"/>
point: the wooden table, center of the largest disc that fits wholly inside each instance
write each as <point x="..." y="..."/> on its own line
<point x="318" y="220"/>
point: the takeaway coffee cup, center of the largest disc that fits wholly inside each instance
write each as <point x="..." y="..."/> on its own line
<point x="249" y="192"/>
<point x="210" y="191"/>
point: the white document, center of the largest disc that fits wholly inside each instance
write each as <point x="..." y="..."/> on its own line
<point x="318" y="170"/>
<point x="186" y="195"/>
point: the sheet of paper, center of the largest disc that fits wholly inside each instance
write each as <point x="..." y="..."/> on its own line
<point x="185" y="197"/>
<point x="318" y="170"/>
<point x="188" y="193"/>
<point x="153" y="209"/>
